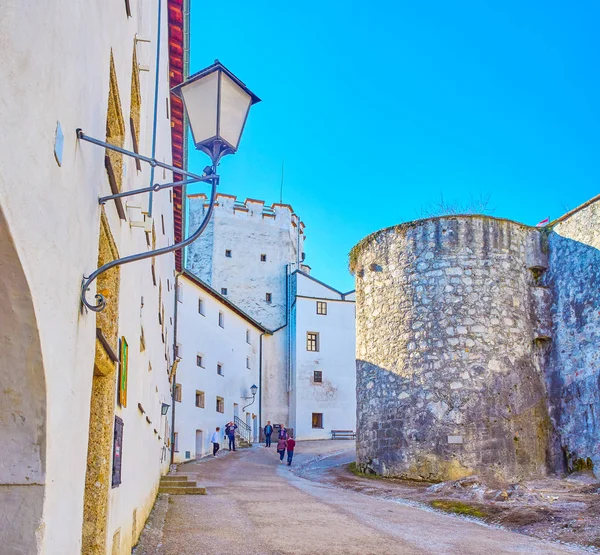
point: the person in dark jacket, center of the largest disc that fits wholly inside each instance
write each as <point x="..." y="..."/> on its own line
<point x="283" y="433"/>
<point x="281" y="447"/>
<point x="290" y="449"/>
<point x="230" y="433"/>
<point x="268" y="432"/>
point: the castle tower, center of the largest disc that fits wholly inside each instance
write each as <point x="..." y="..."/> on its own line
<point x="246" y="253"/>
<point x="451" y="325"/>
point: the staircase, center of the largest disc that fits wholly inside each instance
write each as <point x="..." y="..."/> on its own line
<point x="243" y="434"/>
<point x="179" y="485"/>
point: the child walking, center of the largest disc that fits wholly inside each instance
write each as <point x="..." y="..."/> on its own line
<point x="281" y="447"/>
<point x="290" y="449"/>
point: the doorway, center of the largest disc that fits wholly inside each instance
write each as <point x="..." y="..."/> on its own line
<point x="199" y="444"/>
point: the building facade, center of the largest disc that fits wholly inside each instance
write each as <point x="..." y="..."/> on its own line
<point x="219" y="348"/>
<point x="477" y="347"/>
<point x="85" y="442"/>
<point x="253" y="256"/>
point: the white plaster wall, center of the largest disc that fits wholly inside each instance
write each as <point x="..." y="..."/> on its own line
<point x="201" y="334"/>
<point x="54" y="65"/>
<point x="336" y="396"/>
<point x="275" y="397"/>
<point x="248" y="232"/>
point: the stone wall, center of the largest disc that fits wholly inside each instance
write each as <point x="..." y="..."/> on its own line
<point x="574" y="357"/>
<point x="451" y="319"/>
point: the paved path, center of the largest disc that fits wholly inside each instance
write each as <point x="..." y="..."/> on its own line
<point x="257" y="506"/>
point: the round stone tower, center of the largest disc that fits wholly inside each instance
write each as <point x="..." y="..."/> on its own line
<point x="451" y="332"/>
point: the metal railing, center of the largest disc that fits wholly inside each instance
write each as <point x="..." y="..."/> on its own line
<point x="243" y="430"/>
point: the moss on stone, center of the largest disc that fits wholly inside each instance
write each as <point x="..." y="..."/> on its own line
<point x="457" y="507"/>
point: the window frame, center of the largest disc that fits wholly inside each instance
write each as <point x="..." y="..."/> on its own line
<point x="310" y="341"/>
<point x="228" y="253"/>
<point x="322" y="308"/>
<point x="200" y="360"/>
<point x="248" y="363"/>
<point x="269" y="297"/>
<point x="221" y="320"/>
<point x="224" y="291"/>
<point x="319" y="416"/>
<point x="222" y="404"/>
<point x="263" y="257"/>
<point x="320" y="376"/>
<point x="220" y="371"/>
<point x="201" y="306"/>
<point x="200" y="395"/>
<point x="177" y="393"/>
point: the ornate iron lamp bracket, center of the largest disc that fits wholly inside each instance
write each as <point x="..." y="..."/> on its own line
<point x="210" y="176"/>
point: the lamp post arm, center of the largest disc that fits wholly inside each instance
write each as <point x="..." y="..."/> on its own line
<point x="100" y="300"/>
<point x="253" y="399"/>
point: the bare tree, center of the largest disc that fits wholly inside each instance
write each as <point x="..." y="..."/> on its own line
<point x="443" y="207"/>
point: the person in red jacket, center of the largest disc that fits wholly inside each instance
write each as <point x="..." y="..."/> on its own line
<point x="291" y="443"/>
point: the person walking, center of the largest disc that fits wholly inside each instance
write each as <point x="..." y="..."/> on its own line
<point x="268" y="431"/>
<point x="214" y="439"/>
<point x="290" y="449"/>
<point x="283" y="433"/>
<point x="281" y="447"/>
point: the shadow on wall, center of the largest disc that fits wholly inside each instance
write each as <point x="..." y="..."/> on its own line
<point x="421" y="428"/>
<point x="573" y="367"/>
<point x="22" y="407"/>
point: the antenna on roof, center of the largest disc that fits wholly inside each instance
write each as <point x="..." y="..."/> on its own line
<point x="281" y="187"/>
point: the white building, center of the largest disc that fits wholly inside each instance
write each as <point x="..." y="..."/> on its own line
<point x="66" y="66"/>
<point x="219" y="347"/>
<point x="250" y="254"/>
<point x="323" y="359"/>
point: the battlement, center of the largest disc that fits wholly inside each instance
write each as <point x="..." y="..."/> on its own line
<point x="228" y="205"/>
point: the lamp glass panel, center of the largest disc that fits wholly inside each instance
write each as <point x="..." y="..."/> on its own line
<point x="200" y="99"/>
<point x="235" y="103"/>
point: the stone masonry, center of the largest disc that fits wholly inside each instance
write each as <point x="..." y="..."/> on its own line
<point x="465" y="324"/>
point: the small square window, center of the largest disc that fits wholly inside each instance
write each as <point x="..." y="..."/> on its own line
<point x="318" y="376"/>
<point x="220" y="369"/>
<point x="201" y="306"/>
<point x="228" y="253"/>
<point x="248" y="337"/>
<point x="263" y="257"/>
<point x="321" y="308"/>
<point x="200" y="399"/>
<point x="221" y="320"/>
<point x="177" y="392"/>
<point x="200" y="361"/>
<point x="220" y="404"/>
<point x="248" y="362"/>
<point x="312" y="341"/>
<point x="223" y="290"/>
<point x="317" y="420"/>
<point x="268" y="297"/>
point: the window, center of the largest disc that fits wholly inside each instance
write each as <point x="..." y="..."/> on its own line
<point x="248" y="337"/>
<point x="200" y="399"/>
<point x="201" y="306"/>
<point x="317" y="420"/>
<point x="221" y="320"/>
<point x="268" y="297"/>
<point x="177" y="393"/>
<point x="178" y="351"/>
<point x="312" y="341"/>
<point x="220" y="369"/>
<point x="321" y="308"/>
<point x="318" y="376"/>
<point x="228" y="253"/>
<point x="220" y="404"/>
<point x="247" y="362"/>
<point x="200" y="361"/>
<point x="223" y="290"/>
<point x="263" y="257"/>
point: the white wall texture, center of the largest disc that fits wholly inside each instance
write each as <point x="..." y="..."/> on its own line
<point x="201" y="334"/>
<point x="335" y="397"/>
<point x="54" y="66"/>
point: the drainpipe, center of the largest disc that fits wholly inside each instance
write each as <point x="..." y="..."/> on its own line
<point x="154" y="123"/>
<point x="176" y="288"/>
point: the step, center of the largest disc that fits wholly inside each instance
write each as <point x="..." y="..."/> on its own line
<point x="182" y="491"/>
<point x="179" y="484"/>
<point x="174" y="478"/>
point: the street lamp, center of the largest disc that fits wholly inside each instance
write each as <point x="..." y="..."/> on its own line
<point x="164" y="408"/>
<point x="217" y="105"/>
<point x="253" y="390"/>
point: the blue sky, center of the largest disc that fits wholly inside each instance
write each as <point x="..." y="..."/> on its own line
<point x="378" y="108"/>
